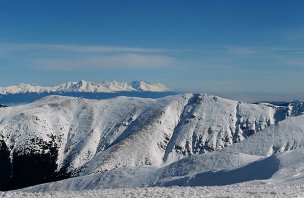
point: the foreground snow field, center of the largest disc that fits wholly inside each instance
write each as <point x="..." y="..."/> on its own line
<point x="249" y="189"/>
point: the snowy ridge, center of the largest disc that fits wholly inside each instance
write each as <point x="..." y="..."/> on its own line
<point x="85" y="86"/>
<point x="166" y="139"/>
<point x="231" y="167"/>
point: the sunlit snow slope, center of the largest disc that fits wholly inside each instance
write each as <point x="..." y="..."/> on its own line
<point x="242" y="163"/>
<point x="59" y="137"/>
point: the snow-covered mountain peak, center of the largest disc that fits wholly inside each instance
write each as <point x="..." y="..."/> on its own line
<point x="81" y="137"/>
<point x="143" y="86"/>
<point x="86" y="86"/>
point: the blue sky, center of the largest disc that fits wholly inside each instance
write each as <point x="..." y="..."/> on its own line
<point x="249" y="50"/>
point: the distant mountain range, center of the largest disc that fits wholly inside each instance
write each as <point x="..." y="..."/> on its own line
<point x="87" y="87"/>
<point x="27" y="93"/>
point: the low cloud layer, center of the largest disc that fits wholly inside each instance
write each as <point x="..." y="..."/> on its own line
<point x="72" y="57"/>
<point x="130" y="61"/>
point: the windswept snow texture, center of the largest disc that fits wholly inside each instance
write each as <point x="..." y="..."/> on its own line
<point x="185" y="140"/>
<point x="251" y="189"/>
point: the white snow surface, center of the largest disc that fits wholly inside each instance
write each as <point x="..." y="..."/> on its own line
<point x="207" y="145"/>
<point x="247" y="189"/>
<point x="218" y="174"/>
<point x="101" y="135"/>
<point x="85" y="86"/>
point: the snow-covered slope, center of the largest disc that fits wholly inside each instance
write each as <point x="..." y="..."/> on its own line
<point x="240" y="190"/>
<point x="63" y="136"/>
<point x="277" y="152"/>
<point x="228" y="166"/>
<point x="84" y="86"/>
